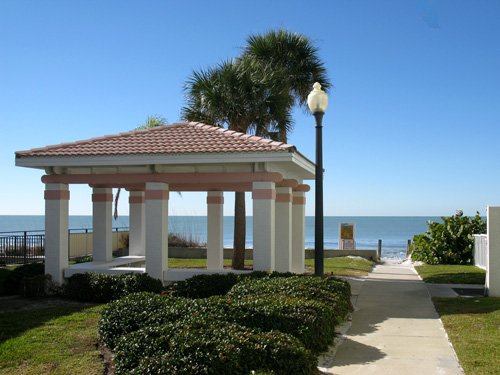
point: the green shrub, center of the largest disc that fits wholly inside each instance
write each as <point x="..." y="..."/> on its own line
<point x="89" y="287"/>
<point x="95" y="287"/>
<point x="312" y="322"/>
<point x="331" y="291"/>
<point x="203" y="286"/>
<point x="136" y="282"/>
<point x="205" y="346"/>
<point x="36" y="286"/>
<point x="266" y="322"/>
<point x="4" y="274"/>
<point x="14" y="280"/>
<point x="83" y="259"/>
<point x="449" y="242"/>
<point x="152" y="341"/>
<point x="140" y="310"/>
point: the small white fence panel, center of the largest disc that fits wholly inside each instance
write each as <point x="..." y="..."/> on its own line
<point x="481" y="251"/>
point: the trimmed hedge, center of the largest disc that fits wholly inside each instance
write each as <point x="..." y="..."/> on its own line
<point x="140" y="310"/>
<point x="330" y="291"/>
<point x="37" y="286"/>
<point x="265" y="322"/>
<point x="4" y="274"/>
<point x="304" y="306"/>
<point x="13" y="279"/>
<point x="95" y="287"/>
<point x="207" y="346"/>
<point x="312" y="322"/>
<point x="136" y="311"/>
<point x="203" y="286"/>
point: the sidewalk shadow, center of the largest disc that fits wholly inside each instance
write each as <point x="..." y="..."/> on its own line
<point x="358" y="354"/>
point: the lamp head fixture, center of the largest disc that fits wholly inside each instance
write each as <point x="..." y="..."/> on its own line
<point x="317" y="100"/>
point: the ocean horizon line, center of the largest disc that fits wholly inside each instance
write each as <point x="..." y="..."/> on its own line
<point x="374" y="216"/>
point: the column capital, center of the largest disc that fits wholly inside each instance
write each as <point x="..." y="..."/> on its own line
<point x="102" y="195"/>
<point x="284" y="195"/>
<point x="156" y="191"/>
<point x="263" y="190"/>
<point x="56" y="192"/>
<point x="136" y="197"/>
<point x="299" y="198"/>
<point x="215" y="197"/>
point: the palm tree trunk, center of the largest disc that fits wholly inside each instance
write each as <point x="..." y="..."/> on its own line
<point x="239" y="231"/>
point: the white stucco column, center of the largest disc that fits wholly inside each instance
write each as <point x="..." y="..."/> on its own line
<point x="156" y="198"/>
<point x="493" y="262"/>
<point x="137" y="223"/>
<point x="56" y="230"/>
<point x="283" y="256"/>
<point x="215" y="226"/>
<point x="263" y="195"/>
<point x="102" y="220"/>
<point x="298" y="231"/>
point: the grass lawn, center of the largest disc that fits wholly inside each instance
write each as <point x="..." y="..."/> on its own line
<point x="200" y="263"/>
<point x="55" y="340"/>
<point x="451" y="274"/>
<point x="343" y="266"/>
<point x="473" y="325"/>
<point x="333" y="266"/>
<point x="62" y="339"/>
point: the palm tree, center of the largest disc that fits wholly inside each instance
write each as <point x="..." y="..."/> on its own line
<point x="256" y="93"/>
<point x="293" y="54"/>
<point x="153" y="121"/>
<point x="243" y="96"/>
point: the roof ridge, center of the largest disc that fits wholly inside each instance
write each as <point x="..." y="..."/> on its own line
<point x="165" y="138"/>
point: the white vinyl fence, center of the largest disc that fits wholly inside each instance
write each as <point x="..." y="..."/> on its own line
<point x="481" y="251"/>
<point x="80" y="244"/>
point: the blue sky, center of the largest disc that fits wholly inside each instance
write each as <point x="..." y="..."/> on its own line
<point x="413" y="125"/>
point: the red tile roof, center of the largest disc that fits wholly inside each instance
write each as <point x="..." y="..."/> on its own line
<point x="180" y="138"/>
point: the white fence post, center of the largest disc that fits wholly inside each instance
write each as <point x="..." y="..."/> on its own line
<point x="493" y="253"/>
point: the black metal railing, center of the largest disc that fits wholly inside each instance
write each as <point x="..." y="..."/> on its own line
<point x="21" y="247"/>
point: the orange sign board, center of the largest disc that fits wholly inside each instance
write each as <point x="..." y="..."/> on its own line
<point x="346" y="231"/>
<point x="346" y="234"/>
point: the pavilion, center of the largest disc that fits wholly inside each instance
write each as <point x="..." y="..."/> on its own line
<point x="152" y="162"/>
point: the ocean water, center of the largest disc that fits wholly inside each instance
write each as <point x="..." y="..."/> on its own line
<point x="394" y="231"/>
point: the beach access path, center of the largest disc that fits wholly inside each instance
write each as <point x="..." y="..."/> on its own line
<point x="395" y="328"/>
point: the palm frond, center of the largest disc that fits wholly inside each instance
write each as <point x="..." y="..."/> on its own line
<point x="292" y="52"/>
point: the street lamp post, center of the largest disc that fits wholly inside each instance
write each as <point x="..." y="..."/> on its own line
<point x="317" y="101"/>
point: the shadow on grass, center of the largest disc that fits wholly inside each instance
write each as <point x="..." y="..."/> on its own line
<point x="455" y="278"/>
<point x="479" y="305"/>
<point x="15" y="323"/>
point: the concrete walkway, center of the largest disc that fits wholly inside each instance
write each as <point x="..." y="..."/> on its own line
<point x="395" y="328"/>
